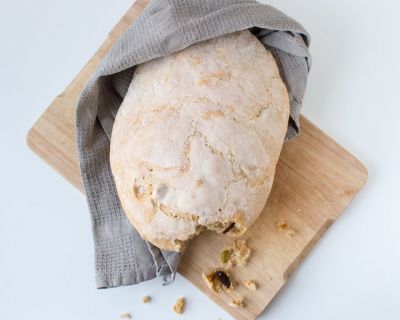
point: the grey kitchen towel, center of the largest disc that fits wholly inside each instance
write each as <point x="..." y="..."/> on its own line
<point x="164" y="27"/>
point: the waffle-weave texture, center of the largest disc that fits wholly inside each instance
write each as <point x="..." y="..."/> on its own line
<point x="164" y="27"/>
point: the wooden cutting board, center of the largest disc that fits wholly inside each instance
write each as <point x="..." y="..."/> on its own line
<point x="315" y="180"/>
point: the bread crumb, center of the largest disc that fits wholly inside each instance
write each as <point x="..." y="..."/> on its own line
<point x="251" y="285"/>
<point x="237" y="303"/>
<point x="125" y="315"/>
<point x="237" y="253"/>
<point x="286" y="229"/>
<point x="179" y="306"/>
<point x="269" y="277"/>
<point x="146" y="299"/>
<point x="218" y="280"/>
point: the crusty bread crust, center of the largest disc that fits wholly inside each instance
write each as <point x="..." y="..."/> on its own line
<point x="196" y="140"/>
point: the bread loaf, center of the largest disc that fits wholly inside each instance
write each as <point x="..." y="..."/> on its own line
<point x="197" y="138"/>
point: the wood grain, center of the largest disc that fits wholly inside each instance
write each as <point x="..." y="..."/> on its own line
<point x="315" y="180"/>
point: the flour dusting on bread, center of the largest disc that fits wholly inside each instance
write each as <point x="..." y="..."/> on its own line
<point x="196" y="140"/>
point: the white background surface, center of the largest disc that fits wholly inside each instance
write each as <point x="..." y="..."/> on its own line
<point x="46" y="250"/>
